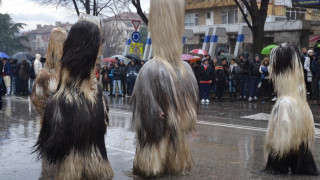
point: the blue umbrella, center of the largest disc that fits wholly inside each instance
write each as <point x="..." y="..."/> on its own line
<point x="4" y="55"/>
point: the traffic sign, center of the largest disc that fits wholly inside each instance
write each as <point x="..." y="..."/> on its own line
<point x="136" y="24"/>
<point x="137" y="49"/>
<point x="136" y="36"/>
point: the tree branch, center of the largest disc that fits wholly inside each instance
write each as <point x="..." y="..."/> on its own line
<point x="243" y="14"/>
<point x="76" y="7"/>
<point x="137" y="5"/>
<point x="248" y="7"/>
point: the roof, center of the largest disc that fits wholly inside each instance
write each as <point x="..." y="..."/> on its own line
<point x="46" y="29"/>
<point x="204" y="4"/>
<point x="125" y="16"/>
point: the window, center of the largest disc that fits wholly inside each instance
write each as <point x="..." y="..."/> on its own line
<point x="191" y="19"/>
<point x="229" y="16"/>
<point x="295" y="14"/>
<point x="208" y="15"/>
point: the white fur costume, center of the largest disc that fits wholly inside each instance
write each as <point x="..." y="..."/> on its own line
<point x="290" y="134"/>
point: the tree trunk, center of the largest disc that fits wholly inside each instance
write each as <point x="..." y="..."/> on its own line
<point x="87" y="6"/>
<point x="258" y="35"/>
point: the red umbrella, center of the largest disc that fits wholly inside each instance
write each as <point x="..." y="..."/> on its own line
<point x="199" y="51"/>
<point x="109" y="60"/>
<point x="314" y="38"/>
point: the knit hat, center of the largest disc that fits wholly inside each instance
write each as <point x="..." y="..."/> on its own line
<point x="309" y="51"/>
<point x="121" y="60"/>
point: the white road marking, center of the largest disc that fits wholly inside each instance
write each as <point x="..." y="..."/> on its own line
<point x="121" y="150"/>
<point x="259" y="116"/>
<point x="317" y="133"/>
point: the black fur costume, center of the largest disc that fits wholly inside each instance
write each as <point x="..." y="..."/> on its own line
<point x="74" y="123"/>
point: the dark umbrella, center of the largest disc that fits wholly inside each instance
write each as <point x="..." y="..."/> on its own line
<point x="22" y="56"/>
<point x="134" y="57"/>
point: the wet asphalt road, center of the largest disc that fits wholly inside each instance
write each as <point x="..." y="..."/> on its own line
<point x="228" y="142"/>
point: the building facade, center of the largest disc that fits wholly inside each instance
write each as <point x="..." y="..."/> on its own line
<point x="284" y="23"/>
<point x="39" y="38"/>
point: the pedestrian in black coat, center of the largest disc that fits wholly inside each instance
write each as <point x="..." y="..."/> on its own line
<point x="24" y="75"/>
<point x="132" y="73"/>
<point x="123" y="68"/>
<point x="105" y="78"/>
<point x="255" y="78"/>
<point x="206" y="75"/>
<point x="221" y="75"/>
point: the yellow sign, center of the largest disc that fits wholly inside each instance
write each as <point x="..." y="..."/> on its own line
<point x="137" y="49"/>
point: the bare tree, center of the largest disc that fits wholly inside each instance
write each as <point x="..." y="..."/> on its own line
<point x="258" y="15"/>
<point x="114" y="41"/>
<point x="93" y="7"/>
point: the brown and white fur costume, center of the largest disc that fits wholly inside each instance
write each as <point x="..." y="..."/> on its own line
<point x="165" y="97"/>
<point x="290" y="134"/>
<point x="47" y="80"/>
<point x="75" y="118"/>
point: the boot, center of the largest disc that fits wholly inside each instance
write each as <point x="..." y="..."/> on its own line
<point x="234" y="97"/>
<point x="8" y="90"/>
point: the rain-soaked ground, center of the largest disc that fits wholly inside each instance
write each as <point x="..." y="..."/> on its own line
<point x="228" y="142"/>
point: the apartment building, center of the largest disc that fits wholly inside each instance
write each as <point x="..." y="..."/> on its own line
<point x="284" y="23"/>
<point x="39" y="38"/>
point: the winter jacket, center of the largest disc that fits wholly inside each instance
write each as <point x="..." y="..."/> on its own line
<point x="117" y="73"/>
<point x="6" y="70"/>
<point x="24" y="72"/>
<point x="32" y="73"/>
<point x="221" y="73"/>
<point x="1" y="67"/>
<point x="110" y="72"/>
<point x="104" y="74"/>
<point x="254" y="68"/>
<point x="234" y="71"/>
<point x="264" y="72"/>
<point x="132" y="71"/>
<point x="14" y="66"/>
<point x="123" y="71"/>
<point x="206" y="73"/>
<point x="37" y="66"/>
<point x="307" y="67"/>
<point x="244" y="65"/>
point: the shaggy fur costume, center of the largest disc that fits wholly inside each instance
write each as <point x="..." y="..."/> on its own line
<point x="290" y="134"/>
<point x="74" y="122"/>
<point x="165" y="97"/>
<point x="47" y="80"/>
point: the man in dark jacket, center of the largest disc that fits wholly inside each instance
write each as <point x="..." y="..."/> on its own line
<point x="117" y="75"/>
<point x="132" y="73"/>
<point x="123" y="68"/>
<point x="206" y="74"/>
<point x="254" y="78"/>
<point x="221" y="75"/>
<point x="315" y="69"/>
<point x="1" y="77"/>
<point x="244" y="85"/>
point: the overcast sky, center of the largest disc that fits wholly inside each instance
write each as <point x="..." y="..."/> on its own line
<point x="31" y="13"/>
